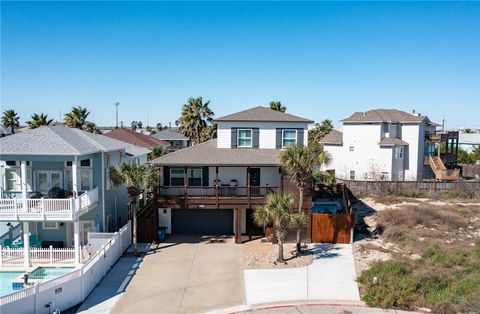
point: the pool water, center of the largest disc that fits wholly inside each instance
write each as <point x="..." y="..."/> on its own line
<point x="326" y="208"/>
<point x="39" y="274"/>
<point x="6" y="278"/>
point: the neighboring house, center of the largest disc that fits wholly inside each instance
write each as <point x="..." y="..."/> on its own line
<point x="387" y="144"/>
<point x="469" y="141"/>
<point x="136" y="138"/>
<point x="213" y="187"/>
<point x="34" y="162"/>
<point x="176" y="139"/>
<point x="137" y="154"/>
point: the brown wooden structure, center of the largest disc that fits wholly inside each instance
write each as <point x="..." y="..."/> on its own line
<point x="333" y="228"/>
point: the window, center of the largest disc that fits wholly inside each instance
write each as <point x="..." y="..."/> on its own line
<point x="399" y="152"/>
<point x="177" y="177"/>
<point x="352" y="174"/>
<point x="244" y="138"/>
<point x="85" y="179"/>
<point x="289" y="137"/>
<point x="13" y="180"/>
<point x="195" y="177"/>
<point x="87" y="162"/>
<point x="50" y="225"/>
<point x="351" y="149"/>
<point x="84" y="175"/>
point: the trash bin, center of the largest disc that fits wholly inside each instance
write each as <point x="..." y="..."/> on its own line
<point x="162" y="233"/>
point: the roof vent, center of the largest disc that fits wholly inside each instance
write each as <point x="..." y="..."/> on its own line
<point x="364" y="113"/>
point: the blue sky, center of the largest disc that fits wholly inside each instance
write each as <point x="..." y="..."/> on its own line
<point x="321" y="60"/>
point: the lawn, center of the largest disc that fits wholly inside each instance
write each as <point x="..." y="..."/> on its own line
<point x="420" y="254"/>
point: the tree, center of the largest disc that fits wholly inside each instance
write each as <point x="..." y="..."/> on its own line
<point x="319" y="131"/>
<point x="10" y="119"/>
<point x="157" y="152"/>
<point x="278" y="212"/>
<point x="277" y="105"/>
<point x="76" y="118"/>
<point x="196" y="116"/>
<point x="38" y="120"/>
<point x="300" y="162"/>
<point x="92" y="128"/>
<point x="138" y="179"/>
<point x="208" y="133"/>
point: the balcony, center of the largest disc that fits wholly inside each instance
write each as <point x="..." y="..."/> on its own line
<point x="213" y="196"/>
<point x="43" y="209"/>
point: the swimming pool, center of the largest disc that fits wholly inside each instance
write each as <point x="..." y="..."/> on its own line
<point x="38" y="275"/>
<point x="326" y="208"/>
<point x="6" y="278"/>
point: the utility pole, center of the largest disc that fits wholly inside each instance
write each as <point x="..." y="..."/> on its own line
<point x="116" y="114"/>
<point x="443" y="125"/>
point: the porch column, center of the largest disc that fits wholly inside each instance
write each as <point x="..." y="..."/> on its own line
<point x="23" y="175"/>
<point x="185" y="179"/>
<point x="26" y="246"/>
<point x="248" y="184"/>
<point x="76" y="240"/>
<point x="280" y="180"/>
<point x="74" y="177"/>
<point x="238" y="225"/>
<point x="216" y="185"/>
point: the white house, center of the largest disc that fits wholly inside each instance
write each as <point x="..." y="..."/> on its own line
<point x="380" y="144"/>
<point x="209" y="187"/>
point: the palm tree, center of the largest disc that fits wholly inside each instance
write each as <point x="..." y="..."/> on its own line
<point x="300" y="162"/>
<point x="277" y="105"/>
<point x="278" y="212"/>
<point x="76" y="118"/>
<point x="208" y="133"/>
<point x="319" y="131"/>
<point x="38" y="120"/>
<point x="157" y="152"/>
<point x="10" y="119"/>
<point x="138" y="179"/>
<point x="92" y="128"/>
<point x="196" y="116"/>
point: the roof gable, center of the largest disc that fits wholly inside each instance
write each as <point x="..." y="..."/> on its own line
<point x="335" y="137"/>
<point x="263" y="114"/>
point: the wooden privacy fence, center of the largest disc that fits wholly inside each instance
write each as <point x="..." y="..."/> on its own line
<point x="399" y="187"/>
<point x="332" y="228"/>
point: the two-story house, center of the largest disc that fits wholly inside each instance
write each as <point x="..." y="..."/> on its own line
<point x="382" y="144"/>
<point x="55" y="188"/>
<point x="213" y="187"/>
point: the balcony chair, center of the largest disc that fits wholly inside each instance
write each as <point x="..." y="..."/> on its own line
<point x="38" y="244"/>
<point x="7" y="243"/>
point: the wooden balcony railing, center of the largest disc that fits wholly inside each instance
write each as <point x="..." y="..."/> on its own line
<point x="39" y="209"/>
<point x="213" y="192"/>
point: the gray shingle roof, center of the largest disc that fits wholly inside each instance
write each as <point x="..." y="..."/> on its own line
<point x="263" y="114"/>
<point x="169" y="135"/>
<point x="335" y="137"/>
<point x="392" y="141"/>
<point x="385" y="115"/>
<point x="207" y="154"/>
<point x="134" y="150"/>
<point x="57" y="140"/>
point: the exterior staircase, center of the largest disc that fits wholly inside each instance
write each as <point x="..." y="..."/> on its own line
<point x="441" y="172"/>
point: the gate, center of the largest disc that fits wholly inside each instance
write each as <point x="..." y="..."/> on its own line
<point x="332" y="228"/>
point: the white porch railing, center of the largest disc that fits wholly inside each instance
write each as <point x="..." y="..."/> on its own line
<point x="38" y="256"/>
<point x="72" y="288"/>
<point x="17" y="209"/>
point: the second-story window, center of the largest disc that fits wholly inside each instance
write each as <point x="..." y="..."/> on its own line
<point x="289" y="137"/>
<point x="177" y="177"/>
<point x="351" y="148"/>
<point x="195" y="177"/>
<point x="244" y="138"/>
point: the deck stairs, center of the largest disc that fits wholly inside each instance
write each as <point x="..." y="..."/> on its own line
<point x="441" y="172"/>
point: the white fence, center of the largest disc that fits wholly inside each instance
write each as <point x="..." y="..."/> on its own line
<point x="15" y="209"/>
<point x="45" y="256"/>
<point x="70" y="289"/>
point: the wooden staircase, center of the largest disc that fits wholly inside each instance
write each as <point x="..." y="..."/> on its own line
<point x="441" y="172"/>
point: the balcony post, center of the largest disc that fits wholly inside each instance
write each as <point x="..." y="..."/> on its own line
<point x="74" y="177"/>
<point x="26" y="246"/>
<point x="23" y="175"/>
<point x="76" y="240"/>
<point x="185" y="180"/>
<point x="248" y="184"/>
<point x="216" y="184"/>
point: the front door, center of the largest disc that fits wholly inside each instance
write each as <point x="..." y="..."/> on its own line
<point x="47" y="180"/>
<point x="254" y="182"/>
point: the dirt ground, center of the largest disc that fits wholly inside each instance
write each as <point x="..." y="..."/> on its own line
<point x="258" y="254"/>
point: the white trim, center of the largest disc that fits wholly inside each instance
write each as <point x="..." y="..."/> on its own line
<point x="283" y="136"/>
<point x="103" y="191"/>
<point x="50" y="228"/>
<point x="251" y="138"/>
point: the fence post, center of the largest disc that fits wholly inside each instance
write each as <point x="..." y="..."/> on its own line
<point x="51" y="254"/>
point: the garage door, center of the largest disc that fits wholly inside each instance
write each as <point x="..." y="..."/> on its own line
<point x="202" y="221"/>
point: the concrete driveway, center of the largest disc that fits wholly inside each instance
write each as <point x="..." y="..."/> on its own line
<point x="186" y="275"/>
<point x="331" y="276"/>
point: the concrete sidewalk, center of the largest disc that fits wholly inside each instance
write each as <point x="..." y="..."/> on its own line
<point x="331" y="276"/>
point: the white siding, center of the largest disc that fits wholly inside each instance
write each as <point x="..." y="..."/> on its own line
<point x="414" y="161"/>
<point x="267" y="136"/>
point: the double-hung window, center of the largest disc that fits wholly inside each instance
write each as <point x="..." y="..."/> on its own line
<point x="84" y="175"/>
<point x="177" y="177"/>
<point x="352" y="174"/>
<point x="399" y="152"/>
<point x="289" y="137"/>
<point x="13" y="179"/>
<point x="195" y="177"/>
<point x="244" y="138"/>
